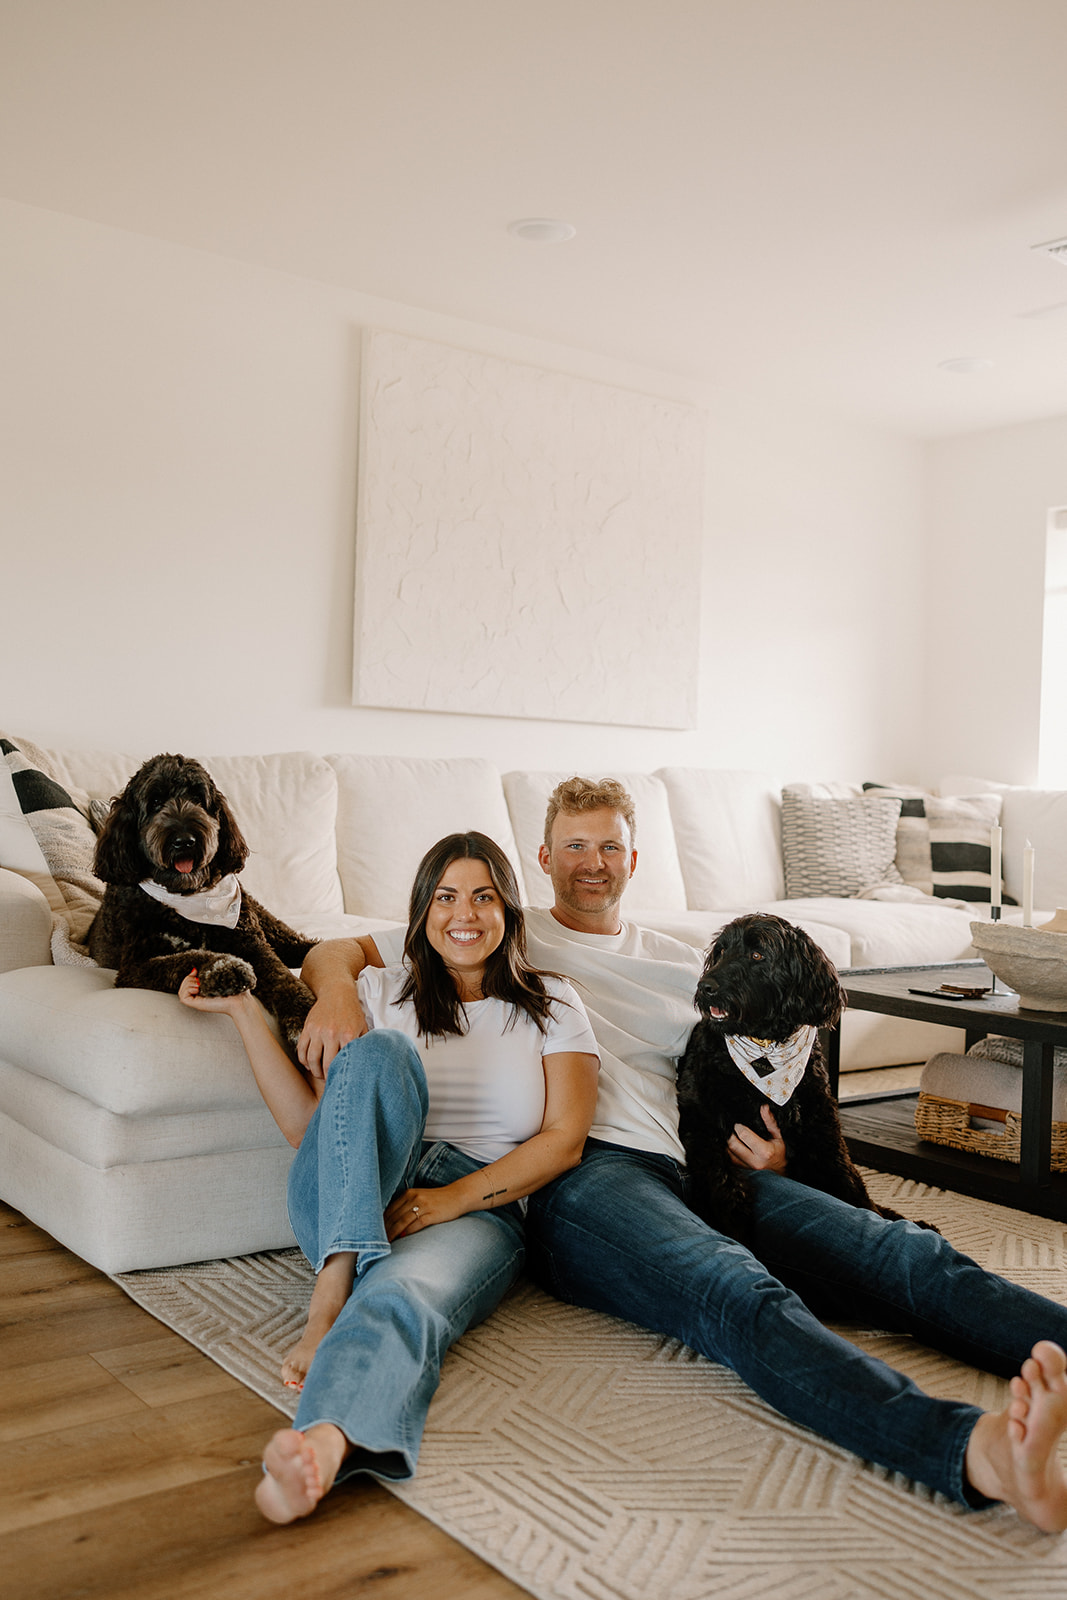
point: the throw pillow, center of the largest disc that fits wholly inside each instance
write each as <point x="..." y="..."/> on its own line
<point x="66" y="842"/>
<point x="837" y="846"/>
<point x="943" y="844"/>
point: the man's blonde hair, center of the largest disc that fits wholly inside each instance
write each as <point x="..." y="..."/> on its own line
<point x="577" y="795"/>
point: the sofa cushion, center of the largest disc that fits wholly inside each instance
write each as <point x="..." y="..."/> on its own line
<point x="837" y="847"/>
<point x="104" y="1138"/>
<point x="144" y="1214"/>
<point x="391" y="809"/>
<point x="943" y="844"/>
<point x="727" y="828"/>
<point x="285" y="805"/>
<point x="701" y="928"/>
<point x="657" y="882"/>
<point x="1037" y="816"/>
<point x="134" y="1052"/>
<point x="888" y="933"/>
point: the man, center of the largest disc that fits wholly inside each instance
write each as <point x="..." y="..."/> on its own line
<point x="616" y="1235"/>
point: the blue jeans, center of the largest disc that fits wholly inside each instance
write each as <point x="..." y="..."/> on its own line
<point x="375" y="1372"/>
<point x="615" y="1234"/>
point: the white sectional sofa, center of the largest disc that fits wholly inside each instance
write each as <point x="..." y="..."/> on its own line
<point x="131" y="1128"/>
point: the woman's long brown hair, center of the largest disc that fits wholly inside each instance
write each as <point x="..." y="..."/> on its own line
<point x="508" y="974"/>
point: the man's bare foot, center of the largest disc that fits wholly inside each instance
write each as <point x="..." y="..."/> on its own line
<point x="1012" y="1454"/>
<point x="301" y="1468"/>
<point x="332" y="1288"/>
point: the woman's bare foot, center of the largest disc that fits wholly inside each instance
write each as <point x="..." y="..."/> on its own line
<point x="332" y="1288"/>
<point x="301" y="1468"/>
<point x="1012" y="1454"/>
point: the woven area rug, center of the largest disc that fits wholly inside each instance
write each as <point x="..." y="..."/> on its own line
<point x="589" y="1460"/>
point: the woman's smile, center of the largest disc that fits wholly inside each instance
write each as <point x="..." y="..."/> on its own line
<point x="465" y="922"/>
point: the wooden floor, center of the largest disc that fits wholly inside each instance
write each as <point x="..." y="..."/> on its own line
<point x="129" y="1461"/>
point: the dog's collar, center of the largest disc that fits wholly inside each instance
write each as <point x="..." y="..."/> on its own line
<point x="788" y="1061"/>
<point x="220" y="905"/>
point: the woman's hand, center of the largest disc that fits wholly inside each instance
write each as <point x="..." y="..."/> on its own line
<point x="747" y="1149"/>
<point x="416" y="1209"/>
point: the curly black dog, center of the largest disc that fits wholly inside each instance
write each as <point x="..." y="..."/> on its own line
<point x="766" y="988"/>
<point x="170" y="833"/>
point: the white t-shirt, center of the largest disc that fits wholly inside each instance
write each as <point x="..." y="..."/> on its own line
<point x="637" y="987"/>
<point x="487" y="1086"/>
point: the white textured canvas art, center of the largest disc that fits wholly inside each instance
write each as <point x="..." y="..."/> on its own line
<point x="528" y="543"/>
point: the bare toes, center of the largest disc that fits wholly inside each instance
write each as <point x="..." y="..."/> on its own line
<point x="291" y="1486"/>
<point x="294" y="1370"/>
<point x="1052" y="1360"/>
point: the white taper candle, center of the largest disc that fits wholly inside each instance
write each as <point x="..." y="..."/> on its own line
<point x="994" y="864"/>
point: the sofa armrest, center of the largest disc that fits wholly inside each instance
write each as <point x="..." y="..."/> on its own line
<point x="25" y="923"/>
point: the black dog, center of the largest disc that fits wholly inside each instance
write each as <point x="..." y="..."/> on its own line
<point x="172" y="829"/>
<point x="763" y="980"/>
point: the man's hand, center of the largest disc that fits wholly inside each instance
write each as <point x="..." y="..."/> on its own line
<point x="747" y="1149"/>
<point x="334" y="1020"/>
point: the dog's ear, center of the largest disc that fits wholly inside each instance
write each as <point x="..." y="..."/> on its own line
<point x="118" y="858"/>
<point x="825" y="987"/>
<point x="232" y="852"/>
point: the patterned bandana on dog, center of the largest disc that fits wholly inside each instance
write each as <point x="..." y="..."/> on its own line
<point x="220" y="905"/>
<point x="788" y="1061"/>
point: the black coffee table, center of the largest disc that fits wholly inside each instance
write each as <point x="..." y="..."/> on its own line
<point x="881" y="1133"/>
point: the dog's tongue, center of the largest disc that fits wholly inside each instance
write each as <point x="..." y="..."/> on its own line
<point x="185" y="865"/>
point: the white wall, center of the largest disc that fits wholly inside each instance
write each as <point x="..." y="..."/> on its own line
<point x="177" y="515"/>
<point x="988" y="497"/>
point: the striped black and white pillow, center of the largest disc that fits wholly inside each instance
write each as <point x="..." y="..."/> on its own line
<point x="837" y="846"/>
<point x="943" y="845"/>
<point x="66" y="840"/>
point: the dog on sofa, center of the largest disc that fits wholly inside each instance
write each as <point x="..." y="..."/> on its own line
<point x="169" y="852"/>
<point x="765" y="991"/>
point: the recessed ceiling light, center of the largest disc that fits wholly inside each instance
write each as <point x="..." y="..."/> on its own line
<point x="1056" y="248"/>
<point x="542" y="230"/>
<point x="966" y="364"/>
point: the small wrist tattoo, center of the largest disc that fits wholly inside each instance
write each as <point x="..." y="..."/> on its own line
<point x="494" y="1194"/>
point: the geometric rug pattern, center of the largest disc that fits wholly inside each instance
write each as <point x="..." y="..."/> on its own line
<point x="590" y="1460"/>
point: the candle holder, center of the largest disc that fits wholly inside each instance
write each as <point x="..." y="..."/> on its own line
<point x="994" y="916"/>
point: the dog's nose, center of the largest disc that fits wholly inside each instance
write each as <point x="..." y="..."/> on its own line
<point x="708" y="986"/>
<point x="183" y="843"/>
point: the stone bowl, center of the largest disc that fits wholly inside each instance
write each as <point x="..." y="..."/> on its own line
<point x="1032" y="961"/>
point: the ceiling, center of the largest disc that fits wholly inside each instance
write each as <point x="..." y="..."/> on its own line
<point x="820" y="200"/>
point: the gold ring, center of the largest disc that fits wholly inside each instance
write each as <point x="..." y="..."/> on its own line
<point x="415" y="1211"/>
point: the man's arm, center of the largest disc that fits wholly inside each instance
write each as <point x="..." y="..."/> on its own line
<point x="330" y="972"/>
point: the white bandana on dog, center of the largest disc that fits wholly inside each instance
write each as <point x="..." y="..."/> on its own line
<point x="788" y="1061"/>
<point x="220" y="905"/>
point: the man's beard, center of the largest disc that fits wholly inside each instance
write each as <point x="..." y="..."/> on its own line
<point x="583" y="900"/>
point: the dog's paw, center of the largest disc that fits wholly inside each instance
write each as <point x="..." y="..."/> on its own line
<point x="225" y="975"/>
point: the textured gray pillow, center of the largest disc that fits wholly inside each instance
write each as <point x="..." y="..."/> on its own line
<point x="837" y="847"/>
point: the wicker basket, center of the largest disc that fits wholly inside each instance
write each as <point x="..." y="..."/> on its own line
<point x="949" y="1122"/>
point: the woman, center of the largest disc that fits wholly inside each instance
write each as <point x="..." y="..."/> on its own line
<point x="475" y="1086"/>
